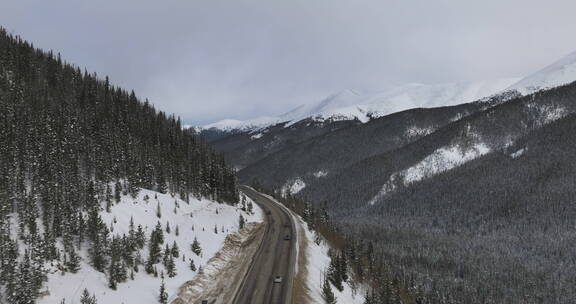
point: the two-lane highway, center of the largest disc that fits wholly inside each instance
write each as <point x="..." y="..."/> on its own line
<point x="276" y="257"/>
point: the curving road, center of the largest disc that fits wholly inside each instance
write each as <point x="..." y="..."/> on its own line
<point x="275" y="257"/>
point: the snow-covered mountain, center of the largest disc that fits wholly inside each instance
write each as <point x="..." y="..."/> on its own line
<point x="413" y="95"/>
<point x="348" y="104"/>
<point x="559" y="73"/>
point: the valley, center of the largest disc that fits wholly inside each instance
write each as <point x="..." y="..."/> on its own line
<point x="287" y="152"/>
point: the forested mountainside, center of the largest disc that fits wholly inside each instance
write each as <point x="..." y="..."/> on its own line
<point x="485" y="131"/>
<point x="69" y="141"/>
<point x="498" y="229"/>
<point x="321" y="156"/>
<point x="246" y="148"/>
<point x="476" y="207"/>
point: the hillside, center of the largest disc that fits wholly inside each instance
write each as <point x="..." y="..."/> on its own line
<point x="502" y="223"/>
<point x="75" y="153"/>
<point x="181" y="223"/>
<point x="321" y="156"/>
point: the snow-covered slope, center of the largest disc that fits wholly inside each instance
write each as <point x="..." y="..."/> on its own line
<point x="415" y="96"/>
<point x="196" y="219"/>
<point x="348" y="104"/>
<point x="561" y="72"/>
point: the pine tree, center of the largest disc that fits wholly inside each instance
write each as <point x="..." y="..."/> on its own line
<point x="177" y="230"/>
<point x="163" y="297"/>
<point x="26" y="292"/>
<point x="108" y="199"/>
<point x="158" y="210"/>
<point x="241" y="221"/>
<point x="170" y="267"/>
<point x="175" y="251"/>
<point x="334" y="274"/>
<point x="149" y="267"/>
<point x="192" y="265"/>
<point x="140" y="237"/>
<point x="168" y="227"/>
<point x="327" y="293"/>
<point x="97" y="232"/>
<point x="167" y="254"/>
<point x="370" y="298"/>
<point x="162" y="185"/>
<point x="156" y="238"/>
<point x="132" y="231"/>
<point x="117" y="191"/>
<point x="73" y="261"/>
<point x="343" y="265"/>
<point x="87" y="298"/>
<point x="111" y="277"/>
<point x="196" y="247"/>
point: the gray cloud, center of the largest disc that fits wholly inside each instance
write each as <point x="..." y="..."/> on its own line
<point x="210" y="59"/>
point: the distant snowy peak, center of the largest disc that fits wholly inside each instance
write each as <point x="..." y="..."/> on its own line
<point x="340" y="99"/>
<point x="349" y="105"/>
<point x="416" y="95"/>
<point x="242" y="125"/>
<point x="559" y="73"/>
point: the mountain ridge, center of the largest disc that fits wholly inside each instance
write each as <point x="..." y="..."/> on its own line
<point x="349" y="104"/>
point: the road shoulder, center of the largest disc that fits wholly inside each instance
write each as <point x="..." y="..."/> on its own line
<point x="223" y="273"/>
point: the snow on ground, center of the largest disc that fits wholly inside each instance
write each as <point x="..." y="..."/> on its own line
<point x="443" y="159"/>
<point x="256" y="136"/>
<point x="293" y="187"/>
<point x="320" y="173"/>
<point x="545" y="114"/>
<point x="313" y="262"/>
<point x="518" y="153"/>
<point x="198" y="218"/>
<point x="318" y="262"/>
<point x="223" y="274"/>
<point x="415" y="131"/>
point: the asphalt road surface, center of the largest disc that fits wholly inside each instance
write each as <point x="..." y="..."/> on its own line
<point x="276" y="256"/>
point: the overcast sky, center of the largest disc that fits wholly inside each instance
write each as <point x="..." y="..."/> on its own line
<point x="210" y="59"/>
